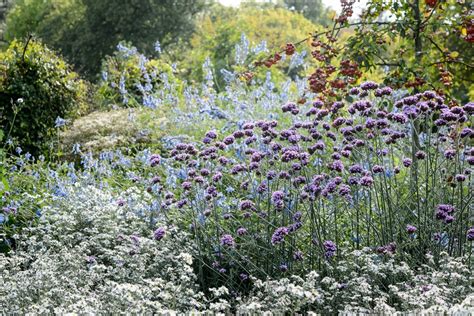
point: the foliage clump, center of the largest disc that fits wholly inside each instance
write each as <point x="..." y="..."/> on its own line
<point x="36" y="87"/>
<point x="233" y="38"/>
<point x="130" y="79"/>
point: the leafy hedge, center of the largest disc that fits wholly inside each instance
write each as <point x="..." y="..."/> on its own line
<point x="36" y="87"/>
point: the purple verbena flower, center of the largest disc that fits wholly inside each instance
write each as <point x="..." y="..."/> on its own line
<point x="411" y="229"/>
<point x="279" y="235"/>
<point x="227" y="240"/>
<point x="159" y="233"/>
<point x="330" y="248"/>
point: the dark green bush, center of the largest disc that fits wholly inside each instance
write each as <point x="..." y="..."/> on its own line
<point x="36" y="87"/>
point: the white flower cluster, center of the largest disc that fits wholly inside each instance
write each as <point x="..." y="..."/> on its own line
<point x="366" y="283"/>
<point x="92" y="255"/>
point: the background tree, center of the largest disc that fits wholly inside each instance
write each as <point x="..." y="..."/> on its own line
<point x="313" y="10"/>
<point x="222" y="28"/>
<point x="4" y="6"/>
<point x="419" y="43"/>
<point x="37" y="91"/>
<point x="85" y="31"/>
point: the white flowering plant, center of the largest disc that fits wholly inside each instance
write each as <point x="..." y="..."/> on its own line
<point x="88" y="254"/>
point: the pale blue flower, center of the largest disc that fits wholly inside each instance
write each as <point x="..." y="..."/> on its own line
<point x="158" y="47"/>
<point x="60" y="122"/>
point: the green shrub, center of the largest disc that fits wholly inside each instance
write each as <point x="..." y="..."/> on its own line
<point x="221" y="30"/>
<point x="130" y="79"/>
<point x="126" y="129"/>
<point x="36" y="87"/>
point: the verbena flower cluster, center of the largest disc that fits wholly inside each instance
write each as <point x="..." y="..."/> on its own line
<point x="361" y="205"/>
<point x="380" y="171"/>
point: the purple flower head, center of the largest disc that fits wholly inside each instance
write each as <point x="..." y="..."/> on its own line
<point x="410" y="100"/>
<point x="387" y="91"/>
<point x="337" y="166"/>
<point x="298" y="255"/>
<point x="254" y="166"/>
<point x="297" y="216"/>
<point x="440" y="214"/>
<point x="377" y="169"/>
<point x="262" y="188"/>
<point x="155" y="180"/>
<point x="256" y="157"/>
<point x="159" y="233"/>
<point x="207" y="140"/>
<point x="400" y="118"/>
<point x="238" y="134"/>
<point x="241" y="231"/>
<point x="283" y="267"/>
<point x="248" y="126"/>
<point x="247" y="205"/>
<point x="120" y="202"/>
<point x="355" y="169"/>
<point x="217" y="176"/>
<point x="237" y="169"/>
<point x="289" y="107"/>
<point x="354" y="91"/>
<point x="212" y="190"/>
<point x="204" y="172"/>
<point x="353" y="181"/>
<point x="344" y="190"/>
<point x="186" y="185"/>
<point x="387" y="249"/>
<point x="440" y="122"/>
<point x="466" y="132"/>
<point x="469" y="107"/>
<point x="470" y="234"/>
<point x="211" y="134"/>
<point x="229" y="140"/>
<point x="279" y="235"/>
<point x="450" y="153"/>
<point x="223" y="160"/>
<point x="155" y="160"/>
<point x="227" y="240"/>
<point x="449" y="209"/>
<point x="369" y="85"/>
<point x="366" y="181"/>
<point x="407" y="162"/>
<point x="243" y="277"/>
<point x="420" y="154"/>
<point x="271" y="174"/>
<point x="449" y="219"/>
<point x="444" y="212"/>
<point x="329" y="249"/>
<point x="182" y="203"/>
<point x="411" y="229"/>
<point x="277" y="196"/>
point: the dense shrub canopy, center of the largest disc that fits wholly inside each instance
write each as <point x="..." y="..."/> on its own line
<point x="85" y="31"/>
<point x="222" y="29"/>
<point x="36" y="87"/>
